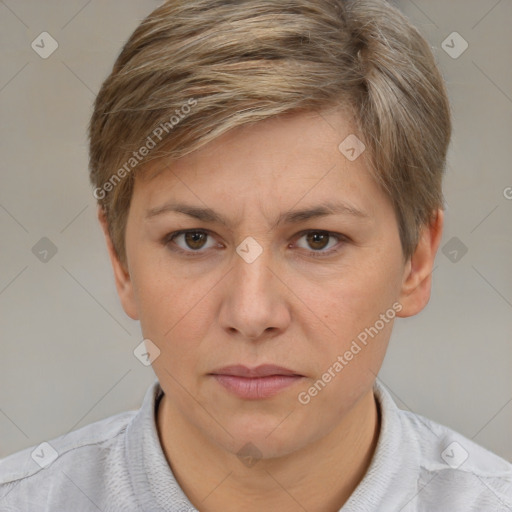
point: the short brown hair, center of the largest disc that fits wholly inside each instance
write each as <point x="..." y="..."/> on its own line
<point x="224" y="63"/>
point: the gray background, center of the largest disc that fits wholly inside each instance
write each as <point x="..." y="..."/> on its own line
<point x="66" y="356"/>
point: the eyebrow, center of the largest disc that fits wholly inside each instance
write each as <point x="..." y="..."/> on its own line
<point x="290" y="217"/>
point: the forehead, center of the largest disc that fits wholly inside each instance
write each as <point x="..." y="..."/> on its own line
<point x="284" y="136"/>
<point x="284" y="161"/>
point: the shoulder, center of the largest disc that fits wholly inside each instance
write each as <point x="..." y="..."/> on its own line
<point x="454" y="467"/>
<point x="38" y="468"/>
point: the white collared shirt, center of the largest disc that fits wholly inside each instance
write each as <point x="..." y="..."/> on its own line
<point x="118" y="464"/>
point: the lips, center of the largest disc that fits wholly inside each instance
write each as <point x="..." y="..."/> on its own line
<point x="264" y="370"/>
<point x="255" y="383"/>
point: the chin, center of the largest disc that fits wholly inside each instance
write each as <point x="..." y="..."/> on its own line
<point x="267" y="437"/>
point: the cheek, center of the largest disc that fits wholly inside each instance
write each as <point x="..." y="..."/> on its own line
<point x="174" y="313"/>
<point x="349" y="307"/>
<point x="373" y="282"/>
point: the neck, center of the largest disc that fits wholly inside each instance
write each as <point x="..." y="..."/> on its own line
<point x="321" y="476"/>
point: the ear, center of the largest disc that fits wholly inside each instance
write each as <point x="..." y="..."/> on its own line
<point x="122" y="276"/>
<point x="417" y="280"/>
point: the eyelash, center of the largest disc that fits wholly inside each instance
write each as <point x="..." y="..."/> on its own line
<point x="194" y="254"/>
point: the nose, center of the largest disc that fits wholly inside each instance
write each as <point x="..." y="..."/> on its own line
<point x="254" y="302"/>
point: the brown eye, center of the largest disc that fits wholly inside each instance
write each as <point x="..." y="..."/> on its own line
<point x="195" y="239"/>
<point x="191" y="242"/>
<point x="195" y="242"/>
<point x="317" y="240"/>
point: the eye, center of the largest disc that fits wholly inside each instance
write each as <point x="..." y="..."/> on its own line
<point x="193" y="240"/>
<point x="319" y="240"/>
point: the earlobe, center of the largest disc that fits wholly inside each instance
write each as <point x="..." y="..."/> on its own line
<point x="122" y="277"/>
<point x="417" y="280"/>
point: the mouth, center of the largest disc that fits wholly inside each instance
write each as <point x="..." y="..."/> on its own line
<point x="257" y="383"/>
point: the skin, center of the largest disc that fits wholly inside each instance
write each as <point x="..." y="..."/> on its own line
<point x="286" y="308"/>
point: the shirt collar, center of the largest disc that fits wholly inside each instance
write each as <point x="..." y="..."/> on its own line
<point x="153" y="481"/>
<point x="392" y="469"/>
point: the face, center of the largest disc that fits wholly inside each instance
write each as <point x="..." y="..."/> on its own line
<point x="243" y="280"/>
